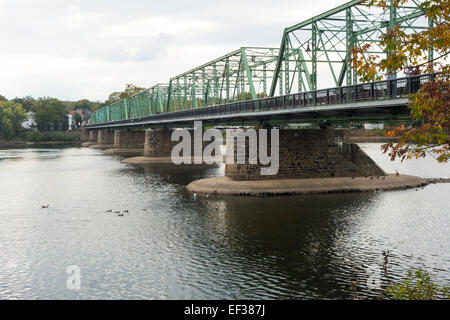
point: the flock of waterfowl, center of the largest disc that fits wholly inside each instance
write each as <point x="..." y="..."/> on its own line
<point x="119" y="213"/>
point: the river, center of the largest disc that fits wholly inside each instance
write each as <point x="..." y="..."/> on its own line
<point x="172" y="245"/>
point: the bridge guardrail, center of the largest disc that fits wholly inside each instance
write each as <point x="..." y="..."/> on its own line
<point x="380" y="90"/>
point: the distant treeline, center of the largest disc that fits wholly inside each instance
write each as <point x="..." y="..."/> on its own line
<point x="49" y="114"/>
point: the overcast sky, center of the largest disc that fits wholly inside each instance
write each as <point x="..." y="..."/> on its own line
<point x="87" y="49"/>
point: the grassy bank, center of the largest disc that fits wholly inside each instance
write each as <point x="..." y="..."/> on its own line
<point x="36" y="137"/>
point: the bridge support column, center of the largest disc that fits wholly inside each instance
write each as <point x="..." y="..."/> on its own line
<point x="158" y="142"/>
<point x="92" y="138"/>
<point x="93" y="135"/>
<point x="128" y="143"/>
<point x="105" y="139"/>
<point x="157" y="147"/>
<point x="84" y="134"/>
<point x="310" y="161"/>
<point x="310" y="153"/>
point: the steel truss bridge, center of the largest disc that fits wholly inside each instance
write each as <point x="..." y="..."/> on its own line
<point x="256" y="83"/>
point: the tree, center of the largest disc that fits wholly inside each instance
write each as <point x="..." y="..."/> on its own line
<point x="26" y="102"/>
<point x="96" y="106"/>
<point x="2" y="98"/>
<point x="113" y="97"/>
<point x="130" y="90"/>
<point x="83" y="104"/>
<point x="77" y="119"/>
<point x="430" y="106"/>
<point x="49" y="113"/>
<point x="11" y="117"/>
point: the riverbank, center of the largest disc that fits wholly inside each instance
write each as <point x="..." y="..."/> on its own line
<point x="368" y="136"/>
<point x="18" y="144"/>
<point x="226" y="186"/>
<point x="35" y="138"/>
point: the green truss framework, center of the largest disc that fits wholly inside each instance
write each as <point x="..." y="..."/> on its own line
<point x="321" y="45"/>
<point x="317" y="46"/>
<point x="145" y="103"/>
<point x="243" y="74"/>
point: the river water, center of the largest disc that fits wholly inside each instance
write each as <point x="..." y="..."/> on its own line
<point x="172" y="245"/>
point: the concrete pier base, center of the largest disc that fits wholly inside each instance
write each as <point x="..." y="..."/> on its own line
<point x="123" y="152"/>
<point x="277" y="187"/>
<point x="88" y="144"/>
<point x="148" y="160"/>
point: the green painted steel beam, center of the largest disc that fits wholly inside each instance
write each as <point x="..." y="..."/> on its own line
<point x="328" y="37"/>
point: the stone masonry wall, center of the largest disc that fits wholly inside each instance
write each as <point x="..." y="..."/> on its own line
<point x="129" y="139"/>
<point x="93" y="136"/>
<point x="157" y="142"/>
<point x="311" y="153"/>
<point x="105" y="137"/>
<point x="84" y="134"/>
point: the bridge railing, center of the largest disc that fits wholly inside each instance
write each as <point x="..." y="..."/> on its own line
<point x="380" y="90"/>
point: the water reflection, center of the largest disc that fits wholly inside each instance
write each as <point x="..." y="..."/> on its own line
<point x="175" y="246"/>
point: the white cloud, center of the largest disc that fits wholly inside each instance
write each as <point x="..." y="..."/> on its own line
<point x="73" y="21"/>
<point x="87" y="49"/>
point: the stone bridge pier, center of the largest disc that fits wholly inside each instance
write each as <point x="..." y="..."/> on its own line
<point x="105" y="139"/>
<point x="309" y="153"/>
<point x="84" y="134"/>
<point x="91" y="136"/>
<point x="158" y="147"/>
<point x="129" y="143"/>
<point x="310" y="161"/>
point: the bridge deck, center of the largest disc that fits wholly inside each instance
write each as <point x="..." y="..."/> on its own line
<point x="377" y="100"/>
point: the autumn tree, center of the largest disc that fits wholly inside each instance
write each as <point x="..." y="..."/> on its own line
<point x="430" y="106"/>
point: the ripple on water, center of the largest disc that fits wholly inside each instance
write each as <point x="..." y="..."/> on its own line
<point x="208" y="248"/>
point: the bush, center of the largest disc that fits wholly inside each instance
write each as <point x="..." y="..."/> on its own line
<point x="33" y="136"/>
<point x="417" y="286"/>
<point x="36" y="136"/>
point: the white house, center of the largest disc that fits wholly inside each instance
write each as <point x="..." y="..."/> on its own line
<point x="29" y="123"/>
<point x="371" y="126"/>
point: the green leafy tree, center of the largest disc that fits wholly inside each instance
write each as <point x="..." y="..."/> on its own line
<point x="130" y="90"/>
<point x="11" y="117"/>
<point x="83" y="104"/>
<point x="113" y="97"/>
<point x="26" y="102"/>
<point x="430" y="106"/>
<point x="77" y="119"/>
<point x="96" y="106"/>
<point x="2" y="98"/>
<point x="50" y="113"/>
